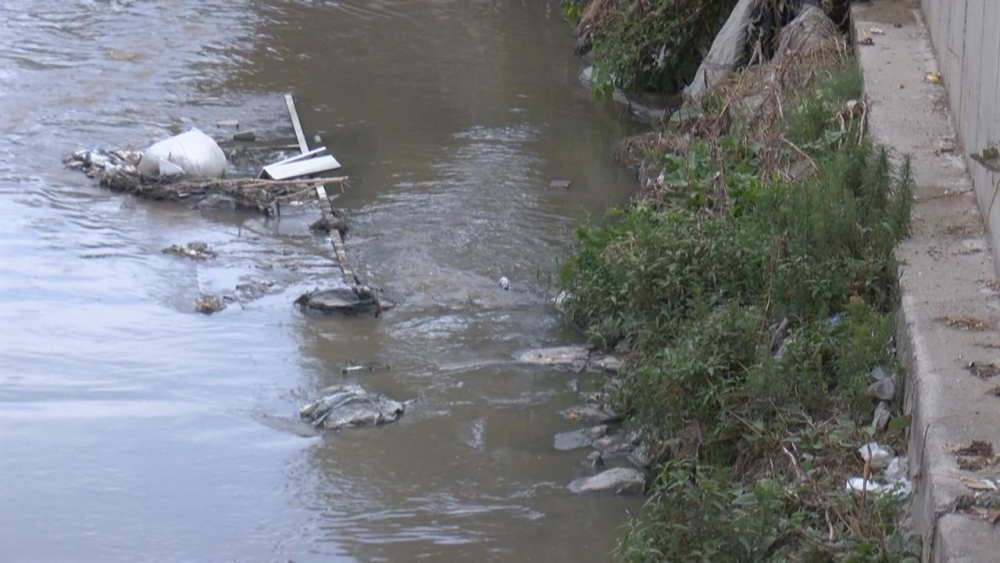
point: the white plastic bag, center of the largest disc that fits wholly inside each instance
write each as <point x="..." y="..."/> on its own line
<point x="192" y="154"/>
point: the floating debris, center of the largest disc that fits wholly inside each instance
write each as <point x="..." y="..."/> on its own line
<point x="193" y="154"/>
<point x="504" y="283"/>
<point x="209" y="304"/>
<point x="350" y="405"/>
<point x="351" y="367"/>
<point x="620" y="480"/>
<point x="193" y="250"/>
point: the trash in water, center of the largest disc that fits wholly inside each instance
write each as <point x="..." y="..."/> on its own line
<point x="245" y="136"/>
<point x="309" y="162"/>
<point x="351" y="405"/>
<point x="560" y="184"/>
<point x="193" y="154"/>
<point x="877" y="456"/>
<point x="504" y="283"/>
<point x="350" y="367"/>
<point x="229" y="123"/>
<point x="193" y="250"/>
<point x="875" y="30"/>
<point x="209" y="304"/>
<point x="934" y="77"/>
<point x="97" y="162"/>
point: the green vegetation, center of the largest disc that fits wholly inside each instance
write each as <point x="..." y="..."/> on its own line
<point x="653" y="45"/>
<point x="753" y="287"/>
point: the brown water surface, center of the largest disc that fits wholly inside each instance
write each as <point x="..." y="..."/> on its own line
<point x="133" y="429"/>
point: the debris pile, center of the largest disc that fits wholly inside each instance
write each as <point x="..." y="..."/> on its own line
<point x="350" y="405"/>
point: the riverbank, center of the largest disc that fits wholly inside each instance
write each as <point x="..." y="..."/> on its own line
<point x="752" y="286"/>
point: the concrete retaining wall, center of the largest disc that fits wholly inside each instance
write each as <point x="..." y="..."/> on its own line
<point x="966" y="37"/>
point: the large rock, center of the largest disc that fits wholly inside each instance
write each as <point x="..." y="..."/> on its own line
<point x="350" y="405"/>
<point x="573" y="357"/>
<point x="343" y="300"/>
<point x="576" y="439"/>
<point x="620" y="480"/>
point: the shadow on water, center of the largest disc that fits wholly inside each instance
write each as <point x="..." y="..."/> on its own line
<point x="136" y="429"/>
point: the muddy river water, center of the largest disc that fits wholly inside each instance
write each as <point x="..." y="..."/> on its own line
<point x="134" y="429"/>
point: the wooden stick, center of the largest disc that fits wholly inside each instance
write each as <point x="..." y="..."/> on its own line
<point x="299" y="135"/>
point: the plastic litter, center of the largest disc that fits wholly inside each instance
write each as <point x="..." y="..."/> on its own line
<point x="899" y="489"/>
<point x="881" y="419"/>
<point x="897" y="469"/>
<point x="192" y="154"/>
<point x="877" y="456"/>
<point x="504" y="283"/>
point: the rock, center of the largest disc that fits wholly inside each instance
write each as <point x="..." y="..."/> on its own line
<point x="350" y="405"/>
<point x="594" y="461"/>
<point x="621" y="480"/>
<point x="325" y="225"/>
<point x="193" y="250"/>
<point x="255" y="289"/>
<point x="610" y="364"/>
<point x="574" y="357"/>
<point x="209" y="304"/>
<point x="576" y="439"/>
<point x="216" y="203"/>
<point x="344" y="300"/>
<point x="588" y="413"/>
<point x="641" y="457"/>
<point x="810" y="29"/>
<point x="618" y="443"/>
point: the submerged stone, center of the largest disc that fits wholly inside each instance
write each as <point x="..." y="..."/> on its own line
<point x="576" y="439"/>
<point x="350" y="405"/>
<point x="209" y="304"/>
<point x="343" y="300"/>
<point x="588" y="413"/>
<point x="574" y="357"/>
<point x="620" y="480"/>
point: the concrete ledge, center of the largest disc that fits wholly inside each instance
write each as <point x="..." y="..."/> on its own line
<point x="946" y="270"/>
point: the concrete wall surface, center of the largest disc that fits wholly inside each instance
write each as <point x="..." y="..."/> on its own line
<point x="966" y="38"/>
